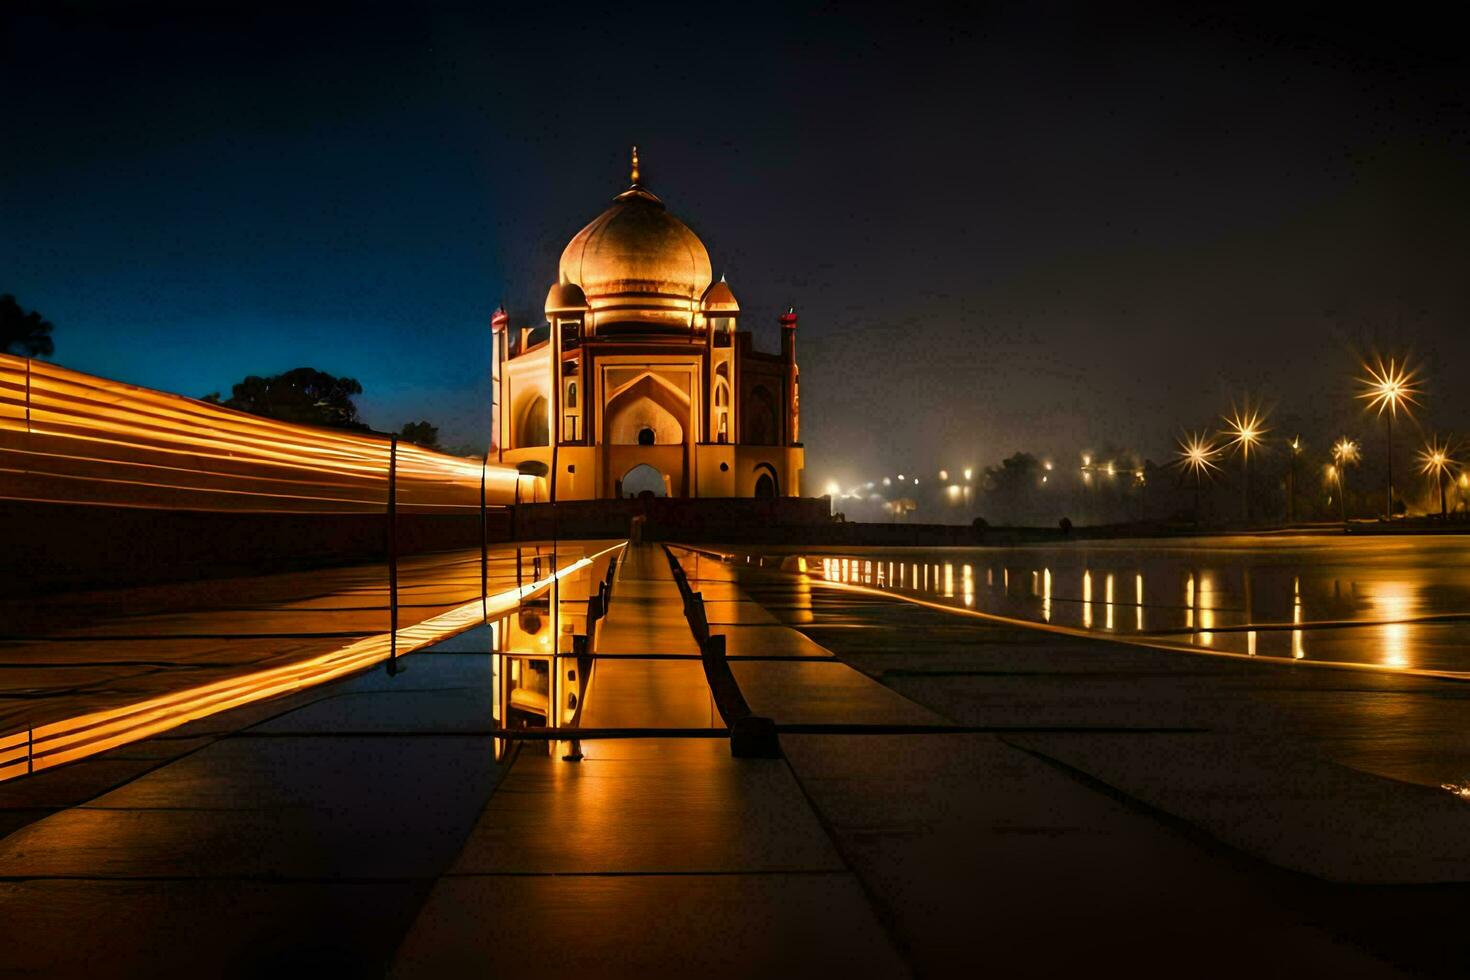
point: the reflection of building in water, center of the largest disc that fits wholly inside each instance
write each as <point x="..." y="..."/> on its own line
<point x="640" y="374"/>
<point x="539" y="666"/>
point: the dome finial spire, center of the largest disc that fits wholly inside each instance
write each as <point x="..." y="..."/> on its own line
<point x="635" y="163"/>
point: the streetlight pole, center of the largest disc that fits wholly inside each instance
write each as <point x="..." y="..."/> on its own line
<point x="1389" y="511"/>
<point x="1246" y="469"/>
<point x="1245" y="429"/>
<point x="1386" y="387"/>
<point x="1296" y="445"/>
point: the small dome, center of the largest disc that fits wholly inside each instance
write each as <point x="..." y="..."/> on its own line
<point x="718" y="299"/>
<point x="565" y="297"/>
<point x="638" y="264"/>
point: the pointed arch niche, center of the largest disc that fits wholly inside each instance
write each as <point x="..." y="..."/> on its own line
<point x="650" y="420"/>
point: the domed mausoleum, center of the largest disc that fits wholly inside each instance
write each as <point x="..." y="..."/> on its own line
<point x="638" y="380"/>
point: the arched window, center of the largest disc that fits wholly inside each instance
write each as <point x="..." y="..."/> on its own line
<point x="571" y="394"/>
<point x="645" y="436"/>
<point x="534" y="427"/>
<point x="722" y="394"/>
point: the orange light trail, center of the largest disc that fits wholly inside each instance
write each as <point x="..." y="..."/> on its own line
<point x="56" y="743"/>
<point x="76" y="438"/>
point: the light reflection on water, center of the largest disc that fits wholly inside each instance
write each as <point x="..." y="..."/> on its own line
<point x="1363" y="600"/>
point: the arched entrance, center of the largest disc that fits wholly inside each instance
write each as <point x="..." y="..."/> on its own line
<point x="766" y="482"/>
<point x="648" y="422"/>
<point x="643" y="480"/>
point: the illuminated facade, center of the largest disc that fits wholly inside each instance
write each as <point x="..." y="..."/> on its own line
<point x="639" y="381"/>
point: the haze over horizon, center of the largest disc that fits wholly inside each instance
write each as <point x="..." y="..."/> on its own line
<point x="1040" y="229"/>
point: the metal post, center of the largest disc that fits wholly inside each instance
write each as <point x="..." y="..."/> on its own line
<point x="1291" y="489"/>
<point x="484" y="545"/>
<point x="393" y="555"/>
<point x="1246" y="466"/>
<point x="1389" y="512"/>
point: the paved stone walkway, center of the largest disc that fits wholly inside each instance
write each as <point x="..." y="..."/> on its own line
<point x="656" y="856"/>
<point x="365" y="827"/>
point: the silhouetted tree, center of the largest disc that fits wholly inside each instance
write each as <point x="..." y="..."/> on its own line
<point x="420" y="434"/>
<point x="1011" y="487"/>
<point x="25" y="333"/>
<point x="300" y="395"/>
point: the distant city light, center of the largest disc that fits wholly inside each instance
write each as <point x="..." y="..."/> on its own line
<point x="833" y="489"/>
<point x="969" y="474"/>
<point x="944" y="474"/>
<point x="1344" y="451"/>
<point x="887" y="482"/>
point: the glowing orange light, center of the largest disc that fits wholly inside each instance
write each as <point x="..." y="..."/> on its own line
<point x="1197" y="455"/>
<point x="1434" y="458"/>
<point x="1389" y="386"/>
<point x="1245" y="428"/>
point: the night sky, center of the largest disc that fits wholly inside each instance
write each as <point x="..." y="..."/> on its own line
<point x="1033" y="227"/>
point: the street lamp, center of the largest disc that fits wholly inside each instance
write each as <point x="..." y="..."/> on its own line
<point x="1296" y="448"/>
<point x="1197" y="456"/>
<point x="1386" y="387"/>
<point x="1245" y="429"/>
<point x="1344" y="451"/>
<point x="1434" y="459"/>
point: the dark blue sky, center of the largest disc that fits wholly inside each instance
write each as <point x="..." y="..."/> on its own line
<point x="1024" y="228"/>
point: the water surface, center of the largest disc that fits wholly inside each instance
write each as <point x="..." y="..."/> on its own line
<point x="1395" y="601"/>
